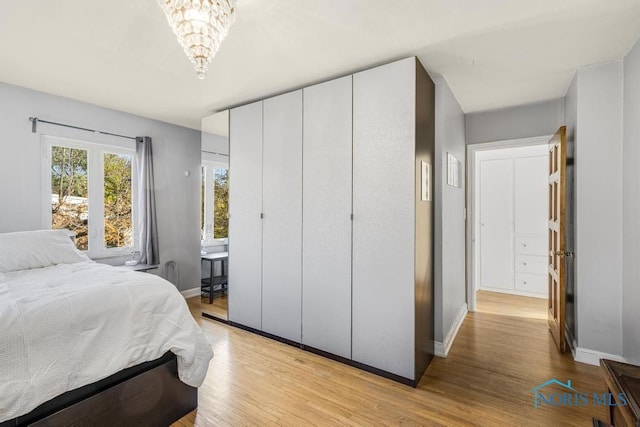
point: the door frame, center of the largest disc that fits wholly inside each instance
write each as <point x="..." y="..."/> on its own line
<point x="472" y="203"/>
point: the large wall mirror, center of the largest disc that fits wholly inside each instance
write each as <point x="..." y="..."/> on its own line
<point x="214" y="215"/>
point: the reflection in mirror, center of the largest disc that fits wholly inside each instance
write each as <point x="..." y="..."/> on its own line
<point x="214" y="215"/>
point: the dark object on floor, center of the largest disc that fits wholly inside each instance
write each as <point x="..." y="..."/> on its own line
<point x="622" y="378"/>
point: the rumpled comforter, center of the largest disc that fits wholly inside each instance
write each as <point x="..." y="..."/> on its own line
<point x="69" y="325"/>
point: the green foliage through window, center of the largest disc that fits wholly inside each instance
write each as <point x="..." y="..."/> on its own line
<point x="69" y="192"/>
<point x="221" y="204"/>
<point x="70" y="198"/>
<point x="214" y="202"/>
<point x="118" y="228"/>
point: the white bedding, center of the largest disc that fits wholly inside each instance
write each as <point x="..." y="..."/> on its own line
<point x="69" y="325"/>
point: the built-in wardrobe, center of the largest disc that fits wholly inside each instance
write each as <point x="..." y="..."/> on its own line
<point x="513" y="220"/>
<point x="331" y="218"/>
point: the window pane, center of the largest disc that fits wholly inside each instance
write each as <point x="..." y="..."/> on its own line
<point x="221" y="203"/>
<point x="69" y="192"/>
<point x="118" y="227"/>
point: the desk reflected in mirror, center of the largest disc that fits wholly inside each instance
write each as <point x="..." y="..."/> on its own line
<point x="214" y="286"/>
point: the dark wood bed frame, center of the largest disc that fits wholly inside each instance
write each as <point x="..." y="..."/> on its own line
<point x="149" y="394"/>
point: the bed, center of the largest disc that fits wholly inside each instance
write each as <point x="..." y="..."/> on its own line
<point x="86" y="342"/>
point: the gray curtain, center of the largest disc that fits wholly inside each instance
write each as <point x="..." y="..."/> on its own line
<point x="147" y="224"/>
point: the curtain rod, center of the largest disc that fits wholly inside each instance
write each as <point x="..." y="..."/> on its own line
<point x="34" y="124"/>
<point x="213" y="152"/>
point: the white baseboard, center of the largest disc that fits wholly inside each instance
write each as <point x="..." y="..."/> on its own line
<point x="442" y="349"/>
<point x="592" y="357"/>
<point x="190" y="293"/>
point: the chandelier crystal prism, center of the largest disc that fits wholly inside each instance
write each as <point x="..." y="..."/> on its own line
<point x="200" y="26"/>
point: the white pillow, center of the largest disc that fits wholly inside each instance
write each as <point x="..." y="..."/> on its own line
<point x="35" y="249"/>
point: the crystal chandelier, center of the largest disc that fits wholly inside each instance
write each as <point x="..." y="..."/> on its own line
<point x="200" y="25"/>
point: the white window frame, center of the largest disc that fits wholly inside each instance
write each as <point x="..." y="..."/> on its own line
<point x="95" y="183"/>
<point x="209" y="188"/>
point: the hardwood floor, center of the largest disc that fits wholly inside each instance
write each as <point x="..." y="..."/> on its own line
<point x="510" y="305"/>
<point x="501" y="353"/>
<point x="218" y="308"/>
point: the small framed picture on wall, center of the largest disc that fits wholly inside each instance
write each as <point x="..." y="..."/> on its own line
<point x="453" y="170"/>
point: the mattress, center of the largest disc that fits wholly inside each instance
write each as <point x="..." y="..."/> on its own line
<point x="69" y="325"/>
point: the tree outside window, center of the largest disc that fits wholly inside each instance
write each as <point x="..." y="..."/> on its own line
<point x="91" y="186"/>
<point x="118" y="229"/>
<point x="214" y="207"/>
<point x="70" y="193"/>
<point x="221" y="204"/>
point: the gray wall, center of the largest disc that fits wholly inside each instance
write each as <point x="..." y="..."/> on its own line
<point x="598" y="137"/>
<point x="523" y="121"/>
<point x="449" y="289"/>
<point x="175" y="150"/>
<point x="631" y="208"/>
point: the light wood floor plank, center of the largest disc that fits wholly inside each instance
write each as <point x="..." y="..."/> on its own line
<point x="501" y="353"/>
<point x="218" y="308"/>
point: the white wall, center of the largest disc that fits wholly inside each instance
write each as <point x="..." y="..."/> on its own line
<point x="631" y="208"/>
<point x="524" y="121"/>
<point x="175" y="151"/>
<point x="598" y="136"/>
<point x="449" y="290"/>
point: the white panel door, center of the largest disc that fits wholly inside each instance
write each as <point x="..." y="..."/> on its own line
<point x="384" y="217"/>
<point x="245" y="207"/>
<point x="282" y="223"/>
<point x="532" y="195"/>
<point x="496" y="224"/>
<point x="326" y="211"/>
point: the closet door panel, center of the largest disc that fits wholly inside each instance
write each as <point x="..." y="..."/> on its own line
<point x="531" y="195"/>
<point x="326" y="236"/>
<point x="245" y="206"/>
<point x="496" y="224"/>
<point x="384" y="217"/>
<point x="282" y="223"/>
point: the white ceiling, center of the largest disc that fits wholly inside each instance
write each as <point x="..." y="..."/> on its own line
<point x="122" y="54"/>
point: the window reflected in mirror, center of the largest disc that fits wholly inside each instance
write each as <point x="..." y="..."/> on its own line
<point x="214" y="216"/>
<point x="214" y="211"/>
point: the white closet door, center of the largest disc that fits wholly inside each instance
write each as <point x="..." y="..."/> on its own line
<point x="326" y="236"/>
<point x="384" y="217"/>
<point x="496" y="224"/>
<point x="532" y="196"/>
<point x="245" y="207"/>
<point x="531" y="224"/>
<point x="282" y="224"/>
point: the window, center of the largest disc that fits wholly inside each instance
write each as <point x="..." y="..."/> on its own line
<point x="90" y="189"/>
<point x="118" y="201"/>
<point x="214" y="209"/>
<point x="70" y="192"/>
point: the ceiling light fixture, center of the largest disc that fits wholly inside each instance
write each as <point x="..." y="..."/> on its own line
<point x="200" y="26"/>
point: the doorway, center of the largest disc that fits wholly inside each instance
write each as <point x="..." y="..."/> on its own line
<point x="508" y="201"/>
